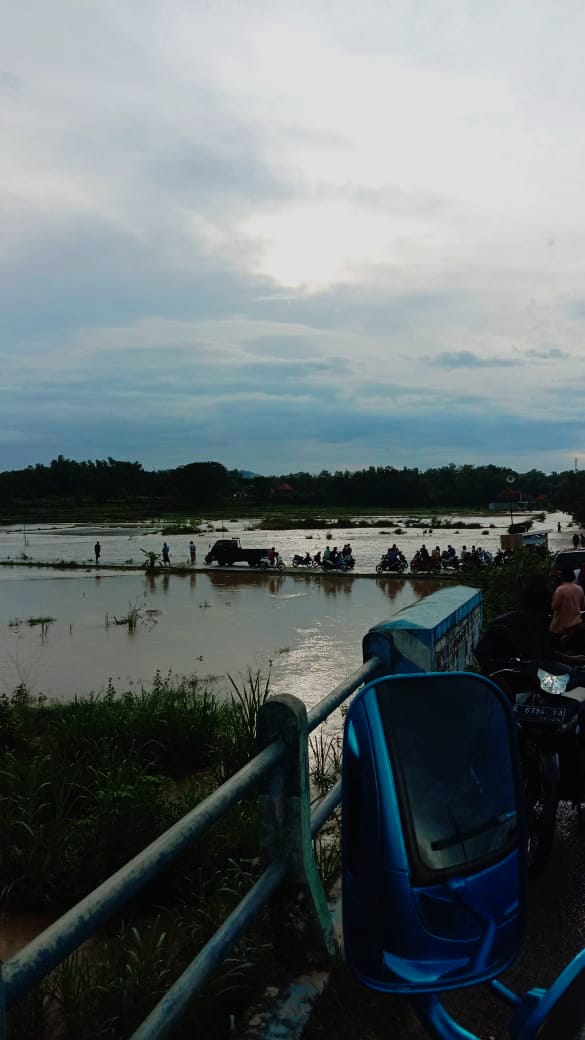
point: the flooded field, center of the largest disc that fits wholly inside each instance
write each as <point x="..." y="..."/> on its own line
<point x="306" y="629"/>
<point x="123" y="544"/>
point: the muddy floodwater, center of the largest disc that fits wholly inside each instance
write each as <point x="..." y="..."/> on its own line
<point x="306" y="629"/>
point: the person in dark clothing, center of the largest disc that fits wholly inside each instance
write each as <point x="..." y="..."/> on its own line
<point x="98" y="551"/>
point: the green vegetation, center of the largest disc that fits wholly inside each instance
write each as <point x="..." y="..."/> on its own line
<point x="526" y="577"/>
<point x="106" y="490"/>
<point x="182" y="527"/>
<point x="83" y="787"/>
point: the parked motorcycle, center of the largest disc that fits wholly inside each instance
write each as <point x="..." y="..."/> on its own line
<point x="397" y="564"/>
<point x="552" y="748"/>
<point x="303" y="561"/>
<point x="547" y="697"/>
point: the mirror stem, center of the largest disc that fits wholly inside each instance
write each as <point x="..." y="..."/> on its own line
<point x="437" y="1019"/>
<point x="505" y="993"/>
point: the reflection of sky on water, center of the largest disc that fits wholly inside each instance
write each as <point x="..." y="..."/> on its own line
<point x="306" y="628"/>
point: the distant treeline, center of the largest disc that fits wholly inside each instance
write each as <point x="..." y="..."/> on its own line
<point x="109" y="482"/>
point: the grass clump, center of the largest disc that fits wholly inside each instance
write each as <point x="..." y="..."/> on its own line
<point x="183" y="527"/>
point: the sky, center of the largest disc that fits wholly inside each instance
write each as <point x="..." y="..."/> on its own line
<point x="284" y="237"/>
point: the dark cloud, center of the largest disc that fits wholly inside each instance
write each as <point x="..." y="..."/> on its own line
<point x="467" y="359"/>
<point x="162" y="426"/>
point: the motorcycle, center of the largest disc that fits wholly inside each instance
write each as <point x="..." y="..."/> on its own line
<point x="343" y="564"/>
<point x="547" y="696"/>
<point x="267" y="564"/>
<point x="303" y="561"/>
<point x="449" y="563"/>
<point x="477" y="560"/>
<point x="552" y="752"/>
<point x="397" y="565"/>
<point x="424" y="565"/>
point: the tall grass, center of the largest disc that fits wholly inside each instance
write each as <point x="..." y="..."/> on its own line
<point x="325" y="761"/>
<point x="238" y="738"/>
<point x="83" y="787"/>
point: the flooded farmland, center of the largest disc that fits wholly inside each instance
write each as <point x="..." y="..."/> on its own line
<point x="305" y="627"/>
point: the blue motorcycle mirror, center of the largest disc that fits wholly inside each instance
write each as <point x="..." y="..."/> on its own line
<point x="432" y="841"/>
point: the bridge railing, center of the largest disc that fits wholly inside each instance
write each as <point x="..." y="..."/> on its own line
<point x="434" y="635"/>
<point x="281" y="772"/>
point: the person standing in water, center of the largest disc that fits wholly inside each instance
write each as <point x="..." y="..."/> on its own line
<point x="166" y="555"/>
<point x="98" y="551"/>
<point x="192" y="551"/>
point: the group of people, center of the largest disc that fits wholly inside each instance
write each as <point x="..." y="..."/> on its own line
<point x="393" y="554"/>
<point x="578" y="540"/>
<point x="337" y="558"/>
<point x="166" y="554"/>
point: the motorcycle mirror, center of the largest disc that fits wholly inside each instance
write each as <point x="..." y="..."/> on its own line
<point x="432" y="835"/>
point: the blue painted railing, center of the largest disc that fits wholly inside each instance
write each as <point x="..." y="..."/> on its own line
<point x="280" y="771"/>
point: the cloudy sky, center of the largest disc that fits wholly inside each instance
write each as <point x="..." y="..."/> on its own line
<point x="290" y="236"/>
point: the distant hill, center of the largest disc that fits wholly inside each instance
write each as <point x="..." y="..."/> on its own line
<point x="246" y="474"/>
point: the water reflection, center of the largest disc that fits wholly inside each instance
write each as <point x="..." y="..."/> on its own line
<point x="396" y="588"/>
<point x="310" y="626"/>
<point x="392" y="587"/>
<point x="334" y="585"/>
<point x="235" y="580"/>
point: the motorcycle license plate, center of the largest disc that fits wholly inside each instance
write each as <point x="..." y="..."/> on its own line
<point x="540" y="713"/>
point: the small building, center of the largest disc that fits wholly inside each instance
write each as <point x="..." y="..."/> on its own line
<point x="525" y="540"/>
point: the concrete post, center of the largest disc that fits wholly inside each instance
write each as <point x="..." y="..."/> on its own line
<point x="437" y="634"/>
<point x="303" y="929"/>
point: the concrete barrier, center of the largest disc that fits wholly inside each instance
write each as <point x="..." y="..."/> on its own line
<point x="437" y="634"/>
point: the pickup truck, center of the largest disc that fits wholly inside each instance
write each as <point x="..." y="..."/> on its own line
<point x="227" y="551"/>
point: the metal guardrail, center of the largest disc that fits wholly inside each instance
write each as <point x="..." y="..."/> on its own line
<point x="287" y="825"/>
